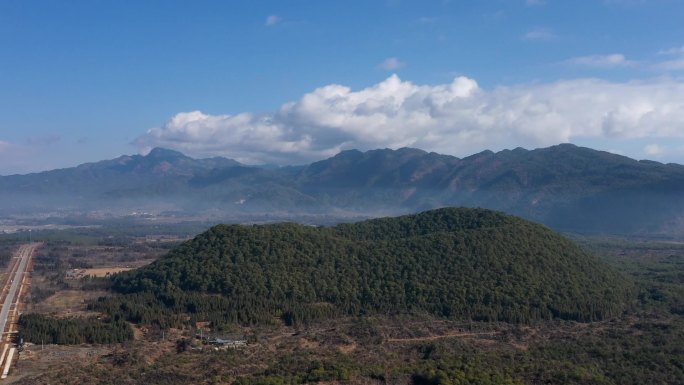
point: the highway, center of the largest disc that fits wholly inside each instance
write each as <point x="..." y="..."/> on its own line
<point x="11" y="291"/>
<point x="16" y="276"/>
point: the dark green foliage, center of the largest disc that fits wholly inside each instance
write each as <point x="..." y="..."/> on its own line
<point x="460" y="263"/>
<point x="649" y="352"/>
<point x="38" y="329"/>
<point x="656" y="266"/>
<point x="301" y="369"/>
<point x="5" y="257"/>
<point x="182" y="345"/>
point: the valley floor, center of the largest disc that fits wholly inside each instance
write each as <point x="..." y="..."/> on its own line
<point x="643" y="346"/>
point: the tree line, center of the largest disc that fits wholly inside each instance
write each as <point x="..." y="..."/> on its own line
<point x="38" y="328"/>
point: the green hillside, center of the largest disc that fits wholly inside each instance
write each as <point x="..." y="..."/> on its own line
<point x="458" y="263"/>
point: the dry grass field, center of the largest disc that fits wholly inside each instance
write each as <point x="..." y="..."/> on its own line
<point x="66" y="303"/>
<point x="104" y="271"/>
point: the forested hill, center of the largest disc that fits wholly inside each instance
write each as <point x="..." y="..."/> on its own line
<point x="462" y="263"/>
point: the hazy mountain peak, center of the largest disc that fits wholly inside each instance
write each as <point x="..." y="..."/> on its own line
<point x="565" y="146"/>
<point x="353" y="153"/>
<point x="565" y="186"/>
<point x="480" y="155"/>
<point x="164" y="153"/>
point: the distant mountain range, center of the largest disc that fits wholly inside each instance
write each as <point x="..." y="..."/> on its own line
<point x="566" y="187"/>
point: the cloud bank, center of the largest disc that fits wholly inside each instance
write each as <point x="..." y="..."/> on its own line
<point x="458" y="118"/>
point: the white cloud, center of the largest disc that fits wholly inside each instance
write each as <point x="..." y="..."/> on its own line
<point x="532" y="3"/>
<point x="675" y="63"/>
<point x="456" y="118"/>
<point x="673" y="51"/>
<point x="540" y="34"/>
<point x="670" y="151"/>
<point x="272" y="20"/>
<point x="653" y="150"/>
<point x="602" y="61"/>
<point x="671" y="65"/>
<point x="391" y="63"/>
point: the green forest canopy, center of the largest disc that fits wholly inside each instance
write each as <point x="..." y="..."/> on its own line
<point x="454" y="262"/>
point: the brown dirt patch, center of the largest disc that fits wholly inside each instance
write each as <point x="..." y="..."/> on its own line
<point x="37" y="359"/>
<point x="449" y="335"/>
<point x="346" y="349"/>
<point x="66" y="303"/>
<point x="104" y="271"/>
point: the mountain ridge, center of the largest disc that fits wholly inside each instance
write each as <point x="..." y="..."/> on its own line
<point x="567" y="187"/>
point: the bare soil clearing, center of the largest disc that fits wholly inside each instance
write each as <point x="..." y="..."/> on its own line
<point x="104" y="271"/>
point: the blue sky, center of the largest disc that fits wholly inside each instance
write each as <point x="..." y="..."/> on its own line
<point x="294" y="81"/>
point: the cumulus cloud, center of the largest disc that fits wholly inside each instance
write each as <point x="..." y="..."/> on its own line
<point x="456" y="118"/>
<point x="602" y="61"/>
<point x="391" y="63"/>
<point x="272" y="20"/>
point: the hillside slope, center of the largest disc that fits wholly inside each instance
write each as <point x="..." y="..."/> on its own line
<point x="461" y="263"/>
<point x="566" y="187"/>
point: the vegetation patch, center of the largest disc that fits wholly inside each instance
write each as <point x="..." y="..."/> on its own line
<point x="42" y="329"/>
<point x="454" y="263"/>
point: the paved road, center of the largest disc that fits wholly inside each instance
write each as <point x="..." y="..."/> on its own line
<point x="25" y="252"/>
